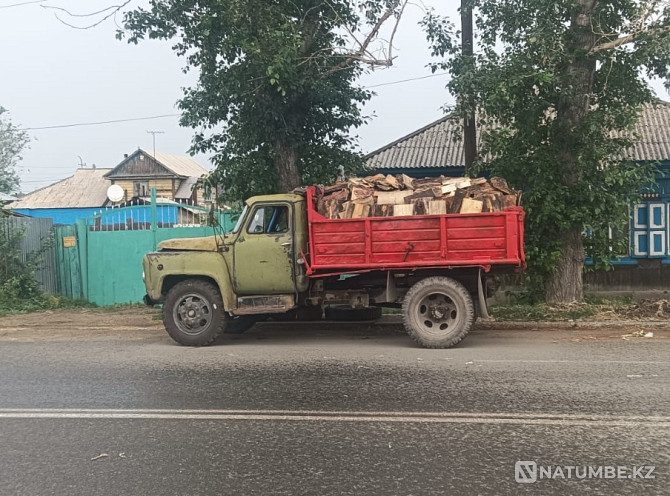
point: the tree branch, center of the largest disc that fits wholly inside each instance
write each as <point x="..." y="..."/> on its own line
<point x="359" y="55"/>
<point x="113" y="8"/>
<point x="631" y="38"/>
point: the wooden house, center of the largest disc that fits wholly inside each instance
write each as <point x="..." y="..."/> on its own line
<point x="173" y="176"/>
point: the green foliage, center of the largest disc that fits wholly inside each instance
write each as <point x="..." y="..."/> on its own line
<point x="521" y="310"/>
<point x="276" y="84"/>
<point x="19" y="290"/>
<point x="17" y="273"/>
<point x="559" y="86"/>
<point x="12" y="142"/>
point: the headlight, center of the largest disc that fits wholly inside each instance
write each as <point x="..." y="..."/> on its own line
<point x="144" y="276"/>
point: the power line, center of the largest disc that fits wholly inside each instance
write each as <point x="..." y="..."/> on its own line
<point x="406" y="80"/>
<point x="19" y="4"/>
<point x="81" y="124"/>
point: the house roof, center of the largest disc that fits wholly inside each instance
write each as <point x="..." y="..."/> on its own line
<point x="186" y="188"/>
<point x="162" y="165"/>
<point x="7" y="198"/>
<point x="436" y="145"/>
<point x="181" y="166"/>
<point x="86" y="188"/>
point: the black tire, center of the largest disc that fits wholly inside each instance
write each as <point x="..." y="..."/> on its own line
<point x="240" y="324"/>
<point x="344" y="313"/>
<point x="438" y="312"/>
<point x="193" y="313"/>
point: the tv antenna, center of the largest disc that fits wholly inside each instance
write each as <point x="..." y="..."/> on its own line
<point x="154" y="133"/>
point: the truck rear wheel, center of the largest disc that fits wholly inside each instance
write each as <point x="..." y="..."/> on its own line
<point x="438" y="312"/>
<point x="193" y="313"/>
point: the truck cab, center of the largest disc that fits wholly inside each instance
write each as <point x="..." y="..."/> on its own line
<point x="213" y="282"/>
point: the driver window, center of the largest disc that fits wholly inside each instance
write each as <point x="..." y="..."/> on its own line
<point x="269" y="220"/>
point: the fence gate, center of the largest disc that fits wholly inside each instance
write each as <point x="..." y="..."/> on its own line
<point x="109" y="247"/>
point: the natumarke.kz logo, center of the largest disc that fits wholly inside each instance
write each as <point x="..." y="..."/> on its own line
<point x="528" y="472"/>
<point x="525" y="472"/>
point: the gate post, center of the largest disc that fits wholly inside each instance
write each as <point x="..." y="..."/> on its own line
<point x="154" y="215"/>
<point x="82" y="246"/>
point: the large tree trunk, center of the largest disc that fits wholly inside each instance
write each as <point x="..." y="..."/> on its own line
<point x="286" y="165"/>
<point x="564" y="285"/>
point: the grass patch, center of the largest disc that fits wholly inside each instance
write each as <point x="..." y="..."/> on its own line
<point x="121" y="306"/>
<point x="593" y="306"/>
<point x="11" y="306"/>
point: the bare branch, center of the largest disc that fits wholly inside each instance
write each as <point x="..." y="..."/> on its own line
<point x="631" y="38"/>
<point x="395" y="29"/>
<point x="362" y="54"/>
<point x="112" y="11"/>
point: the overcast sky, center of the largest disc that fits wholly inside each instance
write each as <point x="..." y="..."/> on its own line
<point x="54" y="75"/>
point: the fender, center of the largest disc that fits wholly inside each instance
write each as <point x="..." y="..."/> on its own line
<point x="158" y="266"/>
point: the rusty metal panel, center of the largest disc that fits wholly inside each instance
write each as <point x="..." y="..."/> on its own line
<point x="36" y="239"/>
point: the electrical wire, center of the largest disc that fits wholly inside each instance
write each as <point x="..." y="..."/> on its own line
<point x="81" y="124"/>
<point x="100" y="122"/>
<point x="19" y="4"/>
<point x="406" y="80"/>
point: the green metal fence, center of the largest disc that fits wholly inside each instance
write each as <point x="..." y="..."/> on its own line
<point x="99" y="259"/>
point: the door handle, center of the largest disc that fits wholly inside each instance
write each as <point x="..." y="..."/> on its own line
<point x="287" y="244"/>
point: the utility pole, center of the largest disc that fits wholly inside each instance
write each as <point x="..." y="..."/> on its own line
<point x="154" y="133"/>
<point x="467" y="51"/>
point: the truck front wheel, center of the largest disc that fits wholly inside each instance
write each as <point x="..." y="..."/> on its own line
<point x="438" y="312"/>
<point x="193" y="313"/>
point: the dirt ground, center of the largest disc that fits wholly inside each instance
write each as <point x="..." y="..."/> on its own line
<point x="140" y="323"/>
<point x="81" y="323"/>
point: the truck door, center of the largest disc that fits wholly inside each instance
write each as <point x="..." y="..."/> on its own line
<point x="264" y="255"/>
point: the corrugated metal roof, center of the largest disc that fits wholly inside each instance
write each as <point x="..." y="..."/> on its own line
<point x="186" y="188"/>
<point x="7" y="198"/>
<point x="436" y="145"/>
<point x="86" y="188"/>
<point x="182" y="166"/>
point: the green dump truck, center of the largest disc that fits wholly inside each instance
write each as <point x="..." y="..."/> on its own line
<point x="284" y="258"/>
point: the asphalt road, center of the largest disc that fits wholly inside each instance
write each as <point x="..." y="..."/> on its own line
<point x="319" y="409"/>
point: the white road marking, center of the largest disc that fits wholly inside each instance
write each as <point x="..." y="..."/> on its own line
<point x="561" y="419"/>
<point x="585" y="362"/>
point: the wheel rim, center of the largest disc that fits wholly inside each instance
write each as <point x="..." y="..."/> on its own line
<point x="437" y="313"/>
<point x="193" y="314"/>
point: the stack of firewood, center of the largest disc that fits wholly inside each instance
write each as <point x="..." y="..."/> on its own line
<point x="396" y="196"/>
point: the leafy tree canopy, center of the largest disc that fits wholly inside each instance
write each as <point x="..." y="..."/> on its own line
<point x="12" y="142"/>
<point x="276" y="98"/>
<point x="558" y="86"/>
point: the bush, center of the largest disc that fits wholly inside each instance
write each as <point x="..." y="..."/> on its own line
<point x="19" y="289"/>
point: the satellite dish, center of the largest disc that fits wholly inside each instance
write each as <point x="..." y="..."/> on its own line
<point x="115" y="193"/>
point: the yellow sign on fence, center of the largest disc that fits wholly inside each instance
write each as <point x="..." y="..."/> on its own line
<point x="69" y="241"/>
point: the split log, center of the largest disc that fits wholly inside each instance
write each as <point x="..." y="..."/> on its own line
<point x="428" y="193"/>
<point x="437" y="207"/>
<point x="459" y="196"/>
<point x="500" y="184"/>
<point x="406" y="181"/>
<point x="383" y="210"/>
<point x="470" y="206"/>
<point x="359" y="192"/>
<point x="391" y="197"/>
<point x="403" y="210"/>
<point x="361" y="210"/>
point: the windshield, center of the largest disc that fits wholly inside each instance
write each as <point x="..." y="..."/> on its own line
<point x="241" y="219"/>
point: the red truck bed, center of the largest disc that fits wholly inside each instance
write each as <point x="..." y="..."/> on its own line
<point x="487" y="240"/>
